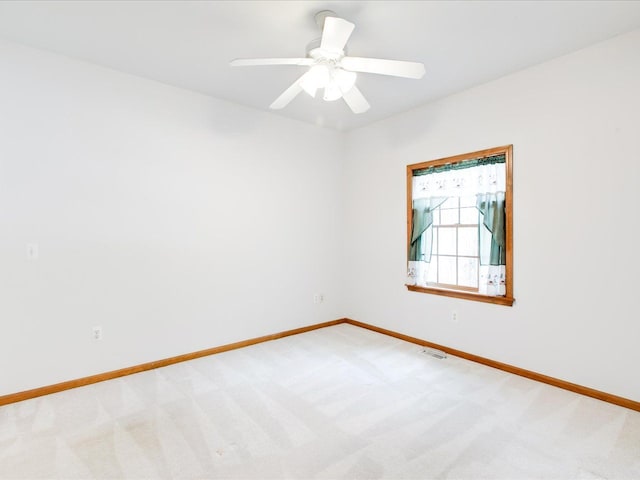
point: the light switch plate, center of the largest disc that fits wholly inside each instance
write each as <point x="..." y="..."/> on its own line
<point x="32" y="251"/>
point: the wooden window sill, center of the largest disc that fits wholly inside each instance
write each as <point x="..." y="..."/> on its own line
<point x="508" y="301"/>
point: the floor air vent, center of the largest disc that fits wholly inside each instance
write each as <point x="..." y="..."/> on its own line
<point x="439" y="354"/>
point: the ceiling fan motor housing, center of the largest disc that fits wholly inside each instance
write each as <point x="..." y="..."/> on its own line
<point x="314" y="51"/>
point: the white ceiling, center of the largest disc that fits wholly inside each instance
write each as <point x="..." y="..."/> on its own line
<point x="189" y="43"/>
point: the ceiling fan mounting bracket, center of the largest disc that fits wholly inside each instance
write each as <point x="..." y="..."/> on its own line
<point x="321" y="15"/>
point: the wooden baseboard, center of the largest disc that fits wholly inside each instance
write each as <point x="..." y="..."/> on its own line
<point x="59" y="387"/>
<point x="556" y="382"/>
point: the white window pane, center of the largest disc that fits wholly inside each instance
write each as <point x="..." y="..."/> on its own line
<point x="432" y="273"/>
<point x="447" y="241"/>
<point x="468" y="272"/>
<point x="447" y="270"/>
<point x="449" y="217"/>
<point x="469" y="215"/>
<point x="468" y="201"/>
<point x="436" y="216"/>
<point x="468" y="241"/>
<point x="451" y="202"/>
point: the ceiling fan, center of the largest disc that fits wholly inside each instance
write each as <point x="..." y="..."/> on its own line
<point x="331" y="69"/>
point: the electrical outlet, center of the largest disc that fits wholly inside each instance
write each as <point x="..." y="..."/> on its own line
<point x="454" y="317"/>
<point x="97" y="333"/>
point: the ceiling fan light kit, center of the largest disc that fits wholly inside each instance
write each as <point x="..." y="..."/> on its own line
<point x="334" y="81"/>
<point x="330" y="69"/>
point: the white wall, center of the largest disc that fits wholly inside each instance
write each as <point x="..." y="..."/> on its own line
<point x="170" y="219"/>
<point x="175" y="221"/>
<point x="575" y="126"/>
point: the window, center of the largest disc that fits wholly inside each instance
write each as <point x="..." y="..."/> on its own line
<point x="454" y="251"/>
<point x="459" y="229"/>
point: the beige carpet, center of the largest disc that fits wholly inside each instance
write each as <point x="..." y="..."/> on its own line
<point x="340" y="402"/>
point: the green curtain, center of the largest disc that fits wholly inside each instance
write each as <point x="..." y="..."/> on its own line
<point x="492" y="217"/>
<point x="422" y="219"/>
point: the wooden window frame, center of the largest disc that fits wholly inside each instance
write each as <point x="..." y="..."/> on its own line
<point x="507" y="151"/>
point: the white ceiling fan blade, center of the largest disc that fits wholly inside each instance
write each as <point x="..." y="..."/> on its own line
<point x="397" y="68"/>
<point x="335" y="34"/>
<point x="289" y="94"/>
<point x="356" y="101"/>
<point x="250" y="62"/>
